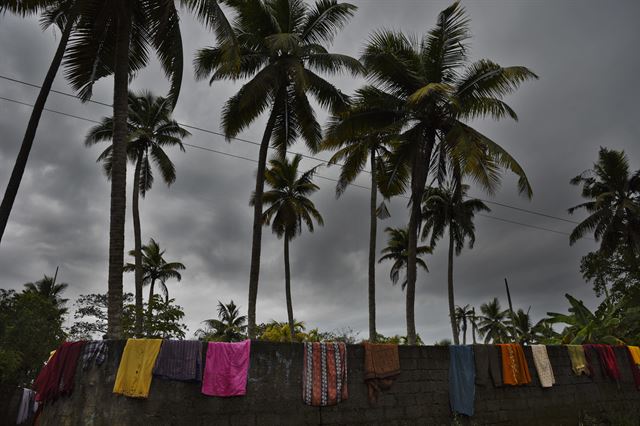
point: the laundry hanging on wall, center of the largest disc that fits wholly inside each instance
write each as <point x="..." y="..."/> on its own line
<point x="607" y="358"/>
<point x="179" y="360"/>
<point x="579" y="363"/>
<point x="324" y="374"/>
<point x="94" y="352"/>
<point x="543" y="365"/>
<point x="515" y="371"/>
<point x="136" y="365"/>
<point x="462" y="376"/>
<point x="381" y="368"/>
<point x="226" y="368"/>
<point x="57" y="378"/>
<point x="488" y="360"/>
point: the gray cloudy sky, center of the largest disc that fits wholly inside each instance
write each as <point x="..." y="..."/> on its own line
<point x="584" y="51"/>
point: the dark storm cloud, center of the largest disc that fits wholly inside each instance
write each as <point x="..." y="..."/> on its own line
<point x="584" y="53"/>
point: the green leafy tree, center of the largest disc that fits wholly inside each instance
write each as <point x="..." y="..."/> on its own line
<point x="522" y="324"/>
<point x="449" y="209"/>
<point x="492" y="323"/>
<point x="115" y="38"/>
<point x="426" y="86"/>
<point x="30" y="328"/>
<point x="281" y="45"/>
<point x="155" y="269"/>
<point x="276" y="331"/>
<point x="61" y="14"/>
<point x="230" y="326"/>
<point x="151" y="130"/>
<point x="397" y="251"/>
<point x="288" y="208"/>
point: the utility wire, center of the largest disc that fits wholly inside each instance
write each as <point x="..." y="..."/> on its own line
<point x="255" y="161"/>
<point x="309" y="157"/>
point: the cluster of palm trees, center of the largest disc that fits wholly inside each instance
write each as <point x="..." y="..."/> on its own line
<point x="409" y="121"/>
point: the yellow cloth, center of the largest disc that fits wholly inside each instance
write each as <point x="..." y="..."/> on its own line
<point x="635" y="354"/>
<point x="136" y="367"/>
<point x="578" y="360"/>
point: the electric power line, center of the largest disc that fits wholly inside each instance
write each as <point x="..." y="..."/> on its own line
<point x="309" y="157"/>
<point x="255" y="161"/>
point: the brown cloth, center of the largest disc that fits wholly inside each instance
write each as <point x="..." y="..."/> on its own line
<point x="381" y="368"/>
<point x="488" y="365"/>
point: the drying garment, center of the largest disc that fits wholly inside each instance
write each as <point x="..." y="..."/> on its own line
<point x="25" y="409"/>
<point x="543" y="365"/>
<point x="515" y="370"/>
<point x="94" y="351"/>
<point x="607" y="358"/>
<point x="579" y="363"/>
<point x="226" y="369"/>
<point x="634" y="352"/>
<point x="381" y="368"/>
<point x="57" y="377"/>
<point x="134" y="373"/>
<point x="180" y="360"/>
<point x="462" y="376"/>
<point x="488" y="365"/>
<point x="324" y="374"/>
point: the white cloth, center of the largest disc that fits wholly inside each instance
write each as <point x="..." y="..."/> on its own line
<point x="25" y="404"/>
<point x="543" y="366"/>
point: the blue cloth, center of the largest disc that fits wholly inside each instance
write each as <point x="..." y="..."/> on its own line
<point x="462" y="376"/>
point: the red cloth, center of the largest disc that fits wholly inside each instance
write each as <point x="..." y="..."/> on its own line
<point x="635" y="369"/>
<point x="57" y="377"/>
<point x="607" y="358"/>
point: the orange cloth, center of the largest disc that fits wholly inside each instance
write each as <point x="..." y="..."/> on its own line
<point x="515" y="370"/>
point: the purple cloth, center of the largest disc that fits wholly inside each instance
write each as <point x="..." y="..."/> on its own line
<point x="226" y="368"/>
<point x="179" y="360"/>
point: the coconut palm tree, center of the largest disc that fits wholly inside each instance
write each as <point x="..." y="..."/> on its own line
<point x="427" y="87"/>
<point x="281" y="45"/>
<point x="396" y="251"/>
<point x="156" y="269"/>
<point x="230" y="326"/>
<point x="151" y="129"/>
<point x="463" y="316"/>
<point x="61" y="14"/>
<point x="353" y="153"/>
<point x="448" y="208"/>
<point x="492" y="322"/>
<point x="288" y="208"/>
<point x="114" y="38"/>
<point x="51" y="290"/>
<point x="613" y="194"/>
<point x="521" y="323"/>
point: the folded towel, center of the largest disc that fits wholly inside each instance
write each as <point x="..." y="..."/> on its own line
<point x="578" y="360"/>
<point x="226" y="368"/>
<point x="543" y="365"/>
<point x="462" y="375"/>
<point x="324" y="374"/>
<point x="136" y="365"/>
<point x="515" y="370"/>
<point x="381" y="368"/>
<point x="180" y="360"/>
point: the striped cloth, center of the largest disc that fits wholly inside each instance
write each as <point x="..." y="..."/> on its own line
<point x="324" y="374"/>
<point x="95" y="350"/>
<point x="179" y="360"/>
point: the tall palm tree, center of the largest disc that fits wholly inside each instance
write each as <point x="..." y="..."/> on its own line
<point x="151" y="129"/>
<point x="281" y="45"/>
<point x="63" y="15"/>
<point x="449" y="209"/>
<point x="51" y="290"/>
<point x="521" y="323"/>
<point x="464" y="315"/>
<point x="230" y="326"/>
<point x="353" y="153"/>
<point x="288" y="207"/>
<point x="427" y="87"/>
<point x="613" y="192"/>
<point x="492" y="322"/>
<point x="156" y="269"/>
<point x="397" y="251"/>
<point x="114" y="38"/>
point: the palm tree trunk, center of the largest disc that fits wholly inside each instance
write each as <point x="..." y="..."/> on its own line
<point x="30" y="134"/>
<point x="474" y="325"/>
<point x="373" y="334"/>
<point x="256" y="243"/>
<point x="287" y="286"/>
<point x="138" y="244"/>
<point x="118" y="173"/>
<point x="464" y="330"/>
<point x="452" y="306"/>
<point x="420" y="170"/>
<point x="151" y="286"/>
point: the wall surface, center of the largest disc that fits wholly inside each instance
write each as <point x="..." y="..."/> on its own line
<point x="419" y="396"/>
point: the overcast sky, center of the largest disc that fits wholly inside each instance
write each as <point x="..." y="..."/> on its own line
<point x="585" y="53"/>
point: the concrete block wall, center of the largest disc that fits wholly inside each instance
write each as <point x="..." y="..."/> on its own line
<point x="274" y="395"/>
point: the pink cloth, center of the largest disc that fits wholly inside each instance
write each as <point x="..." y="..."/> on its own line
<point x="226" y="368"/>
